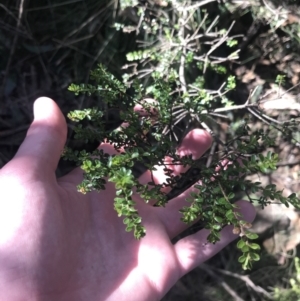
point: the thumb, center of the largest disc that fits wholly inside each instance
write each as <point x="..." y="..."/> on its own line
<point x="46" y="136"/>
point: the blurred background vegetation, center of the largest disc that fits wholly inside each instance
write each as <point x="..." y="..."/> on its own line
<point x="46" y="45"/>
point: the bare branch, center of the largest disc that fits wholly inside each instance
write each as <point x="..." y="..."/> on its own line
<point x="195" y="6"/>
<point x="218" y="279"/>
<point x="244" y="278"/>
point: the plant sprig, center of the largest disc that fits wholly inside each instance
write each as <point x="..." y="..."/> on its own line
<point x="212" y="202"/>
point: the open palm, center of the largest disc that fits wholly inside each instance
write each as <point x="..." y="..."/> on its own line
<point x="57" y="244"/>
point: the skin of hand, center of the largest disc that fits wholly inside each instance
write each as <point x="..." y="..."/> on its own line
<point x="58" y="244"/>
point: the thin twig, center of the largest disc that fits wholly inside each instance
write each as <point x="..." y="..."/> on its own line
<point x="258" y="116"/>
<point x="195" y="6"/>
<point x="9" y="12"/>
<point x="63" y="44"/>
<point x="219" y="115"/>
<point x="181" y="36"/>
<point x="11" y="132"/>
<point x="74" y="41"/>
<point x="267" y="117"/>
<point x="226" y="109"/>
<point x="244" y="278"/>
<point x="101" y="49"/>
<point x="13" y="47"/>
<point x="287" y="163"/>
<point x="218" y="279"/>
<point x="221" y="41"/>
<point x="276" y="13"/>
<point x="53" y="5"/>
<point x="213" y="23"/>
<point x="211" y="154"/>
<point x="288" y="90"/>
<point x="84" y="24"/>
<point x="194" y="35"/>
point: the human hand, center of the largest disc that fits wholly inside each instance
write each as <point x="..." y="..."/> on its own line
<point x="58" y="244"/>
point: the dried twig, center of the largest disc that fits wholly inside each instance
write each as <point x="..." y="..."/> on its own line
<point x="13" y="47"/>
<point x="53" y="5"/>
<point x="11" y="132"/>
<point x="218" y="279"/>
<point x="194" y="6"/>
<point x="244" y="278"/>
<point x="181" y="35"/>
<point x="279" y="164"/>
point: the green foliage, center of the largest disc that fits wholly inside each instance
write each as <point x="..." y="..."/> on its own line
<point x="170" y="69"/>
<point x="280" y="79"/>
<point x="212" y="203"/>
<point x="128" y="3"/>
<point x="293" y="292"/>
<point x="248" y="249"/>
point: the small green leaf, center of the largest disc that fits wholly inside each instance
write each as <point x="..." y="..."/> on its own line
<point x="255" y="256"/>
<point x="119" y="192"/>
<point x="242" y="259"/>
<point x="129" y="228"/>
<point x="241" y="243"/>
<point x="135" y="155"/>
<point x="254" y="246"/>
<point x="229" y="214"/>
<point x="218" y="219"/>
<point x="230" y="195"/>
<point x="251" y="235"/>
<point x="245" y="249"/>
<point x="217" y="227"/>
